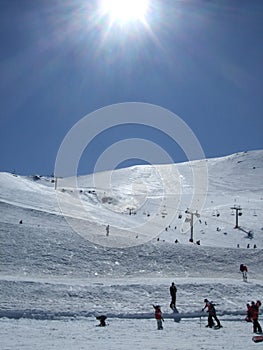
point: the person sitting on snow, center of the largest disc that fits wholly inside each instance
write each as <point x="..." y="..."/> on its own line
<point x="102" y="319"/>
<point x="249" y="313"/>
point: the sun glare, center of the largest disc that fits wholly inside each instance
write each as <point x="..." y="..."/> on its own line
<point x="125" y="10"/>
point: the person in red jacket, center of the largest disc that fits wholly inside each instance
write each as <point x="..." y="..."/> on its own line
<point x="102" y="319"/>
<point x="243" y="269"/>
<point x="158" y="316"/>
<point x="249" y="313"/>
<point x="255" y="310"/>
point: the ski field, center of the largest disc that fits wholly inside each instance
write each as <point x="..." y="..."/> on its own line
<point x="59" y="269"/>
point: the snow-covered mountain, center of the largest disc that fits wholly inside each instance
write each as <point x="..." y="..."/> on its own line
<point x="145" y="202"/>
<point x="57" y="261"/>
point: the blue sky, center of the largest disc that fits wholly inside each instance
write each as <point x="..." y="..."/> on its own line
<point x="59" y="61"/>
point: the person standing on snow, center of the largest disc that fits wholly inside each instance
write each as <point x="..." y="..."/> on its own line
<point x="158" y="316"/>
<point x="249" y="313"/>
<point x="255" y="310"/>
<point x="107" y="230"/>
<point x="173" y="291"/>
<point x="243" y="269"/>
<point x="211" y="314"/>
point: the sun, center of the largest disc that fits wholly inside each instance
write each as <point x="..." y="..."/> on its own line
<point x="125" y="10"/>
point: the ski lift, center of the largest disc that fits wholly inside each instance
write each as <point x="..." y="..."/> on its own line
<point x="232" y="213"/>
<point x="250" y="234"/>
<point x="240" y="214"/>
<point x="164" y="213"/>
<point x="255" y="214"/>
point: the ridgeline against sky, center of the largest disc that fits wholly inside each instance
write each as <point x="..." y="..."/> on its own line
<point x="60" y="61"/>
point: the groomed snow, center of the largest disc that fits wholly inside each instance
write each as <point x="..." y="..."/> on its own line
<point x="72" y="334"/>
<point x="53" y="281"/>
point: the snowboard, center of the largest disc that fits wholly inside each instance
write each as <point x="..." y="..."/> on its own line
<point x="257" y="338"/>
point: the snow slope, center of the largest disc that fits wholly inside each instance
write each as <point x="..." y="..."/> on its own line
<point x="53" y="280"/>
<point x="156" y="197"/>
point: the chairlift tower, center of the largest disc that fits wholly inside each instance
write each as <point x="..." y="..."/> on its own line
<point x="192" y="214"/>
<point x="237" y="208"/>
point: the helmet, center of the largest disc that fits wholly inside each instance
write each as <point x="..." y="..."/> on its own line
<point x="206" y="300"/>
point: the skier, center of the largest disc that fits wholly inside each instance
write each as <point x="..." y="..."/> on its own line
<point x="158" y="316"/>
<point x="244" y="270"/>
<point x="211" y="314"/>
<point x="255" y="310"/>
<point x="107" y="230"/>
<point x="102" y="320"/>
<point x="173" y="291"/>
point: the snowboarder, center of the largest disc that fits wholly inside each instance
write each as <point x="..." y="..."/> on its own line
<point x="173" y="291"/>
<point x="107" y="230"/>
<point x="255" y="310"/>
<point x="244" y="270"/>
<point x="158" y="316"/>
<point x="102" y="320"/>
<point x="211" y="314"/>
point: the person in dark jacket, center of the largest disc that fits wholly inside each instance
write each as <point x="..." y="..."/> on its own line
<point x="173" y="291"/>
<point x="107" y="230"/>
<point x="102" y="319"/>
<point x="244" y="270"/>
<point x="211" y="314"/>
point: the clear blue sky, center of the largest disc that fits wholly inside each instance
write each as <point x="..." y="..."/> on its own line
<point x="203" y="61"/>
